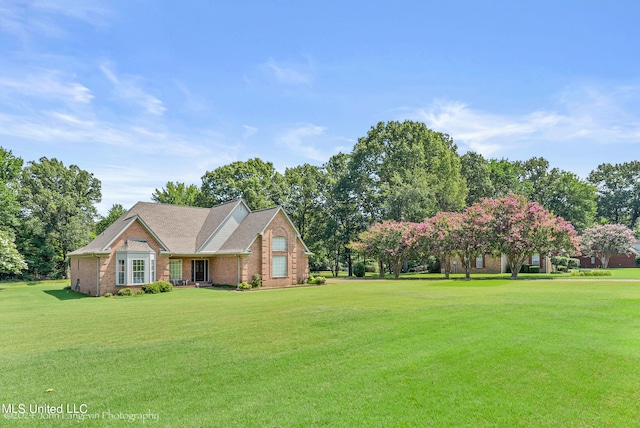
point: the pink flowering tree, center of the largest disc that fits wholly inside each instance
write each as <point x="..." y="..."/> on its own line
<point x="603" y="241"/>
<point x="518" y="229"/>
<point x="388" y="242"/>
<point x="470" y="234"/>
<point x="436" y="237"/>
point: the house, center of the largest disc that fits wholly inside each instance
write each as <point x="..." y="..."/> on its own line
<point x="492" y="264"/>
<point x="225" y="244"/>
<point x="616" y="261"/>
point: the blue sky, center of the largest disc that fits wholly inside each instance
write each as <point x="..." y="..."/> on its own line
<point x="142" y="92"/>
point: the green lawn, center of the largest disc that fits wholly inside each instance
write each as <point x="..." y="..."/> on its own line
<point x="562" y="352"/>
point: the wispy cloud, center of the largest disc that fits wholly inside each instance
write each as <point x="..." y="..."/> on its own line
<point x="127" y="87"/>
<point x="24" y="19"/>
<point x="289" y="73"/>
<point x="310" y="141"/>
<point x="47" y="84"/>
<point x="583" y="113"/>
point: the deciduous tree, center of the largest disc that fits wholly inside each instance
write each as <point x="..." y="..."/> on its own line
<point x="257" y="182"/>
<point x="177" y="194"/>
<point x="58" y="212"/>
<point x="604" y="241"/>
<point x="518" y="229"/>
<point x="10" y="259"/>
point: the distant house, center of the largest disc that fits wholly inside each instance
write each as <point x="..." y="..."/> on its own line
<point x="225" y="244"/>
<point x="492" y="264"/>
<point x="616" y="261"/>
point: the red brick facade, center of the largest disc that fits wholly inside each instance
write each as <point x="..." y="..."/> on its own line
<point x="97" y="273"/>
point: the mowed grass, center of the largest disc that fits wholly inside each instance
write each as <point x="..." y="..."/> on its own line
<point x="369" y="353"/>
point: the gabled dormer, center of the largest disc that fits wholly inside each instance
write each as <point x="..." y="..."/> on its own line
<point x="226" y="228"/>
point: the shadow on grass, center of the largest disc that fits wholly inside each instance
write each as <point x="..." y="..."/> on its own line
<point x="66" y="294"/>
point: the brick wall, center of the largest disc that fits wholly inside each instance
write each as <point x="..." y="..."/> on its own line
<point x="108" y="264"/>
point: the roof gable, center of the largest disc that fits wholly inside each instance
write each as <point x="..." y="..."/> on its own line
<point x="229" y="228"/>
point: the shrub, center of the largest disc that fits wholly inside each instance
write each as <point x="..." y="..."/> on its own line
<point x="638" y="260"/>
<point x="534" y="269"/>
<point x="244" y="286"/>
<point x="164" y="286"/>
<point x="108" y="294"/>
<point x="153" y="288"/>
<point x="359" y="269"/>
<point x="433" y="264"/>
<point x="68" y="287"/>
<point x="256" y="281"/>
<point x="139" y="292"/>
<point x="591" y="273"/>
<point x="573" y="263"/>
<point x="561" y="268"/>
<point x="560" y="260"/>
<point x="319" y="280"/>
<point x="125" y="292"/>
<point x="311" y="279"/>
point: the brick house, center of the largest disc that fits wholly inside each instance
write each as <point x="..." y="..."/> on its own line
<point x="492" y="264"/>
<point x="225" y="244"/>
<point x="627" y="260"/>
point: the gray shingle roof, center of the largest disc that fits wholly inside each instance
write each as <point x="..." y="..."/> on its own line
<point x="183" y="230"/>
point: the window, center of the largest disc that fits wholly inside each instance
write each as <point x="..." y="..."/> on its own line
<point x="279" y="243"/>
<point x="120" y="272"/>
<point x="279" y="266"/>
<point x="175" y="269"/>
<point x="479" y="262"/>
<point x="138" y="271"/>
<point x="535" y="259"/>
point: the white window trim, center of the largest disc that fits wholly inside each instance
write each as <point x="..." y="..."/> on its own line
<point x="273" y="264"/>
<point x="281" y="243"/>
<point x="175" y="262"/>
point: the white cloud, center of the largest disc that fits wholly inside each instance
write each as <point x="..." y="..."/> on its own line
<point x="289" y="73"/>
<point x="583" y="114"/>
<point x="47" y="84"/>
<point x="23" y="19"/>
<point x="305" y="139"/>
<point x="127" y="88"/>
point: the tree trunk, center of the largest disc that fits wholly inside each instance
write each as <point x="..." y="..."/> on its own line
<point x="381" y="268"/>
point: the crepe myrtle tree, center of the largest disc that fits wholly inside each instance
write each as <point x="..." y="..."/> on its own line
<point x="471" y="235"/>
<point x="603" y="241"/>
<point x="388" y="242"/>
<point x="10" y="259"/>
<point x="437" y="236"/>
<point x="519" y="228"/>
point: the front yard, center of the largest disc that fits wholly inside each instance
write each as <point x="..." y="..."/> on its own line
<point x="561" y="352"/>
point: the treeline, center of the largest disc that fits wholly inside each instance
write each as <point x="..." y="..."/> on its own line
<point x="404" y="171"/>
<point x="400" y="171"/>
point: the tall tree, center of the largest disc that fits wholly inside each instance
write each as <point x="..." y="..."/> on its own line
<point x="58" y="211"/>
<point x="406" y="171"/>
<point x="561" y="192"/>
<point x="10" y="169"/>
<point x="566" y="195"/>
<point x="115" y="212"/>
<point x="177" y="194"/>
<point x="505" y="178"/>
<point x="303" y="199"/>
<point x="477" y="174"/>
<point x="344" y="219"/>
<point x="604" y="241"/>
<point x="257" y="182"/>
<point x="618" y="192"/>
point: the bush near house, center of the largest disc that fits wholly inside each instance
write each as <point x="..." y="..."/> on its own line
<point x="359" y="269"/>
<point x="125" y="292"/>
